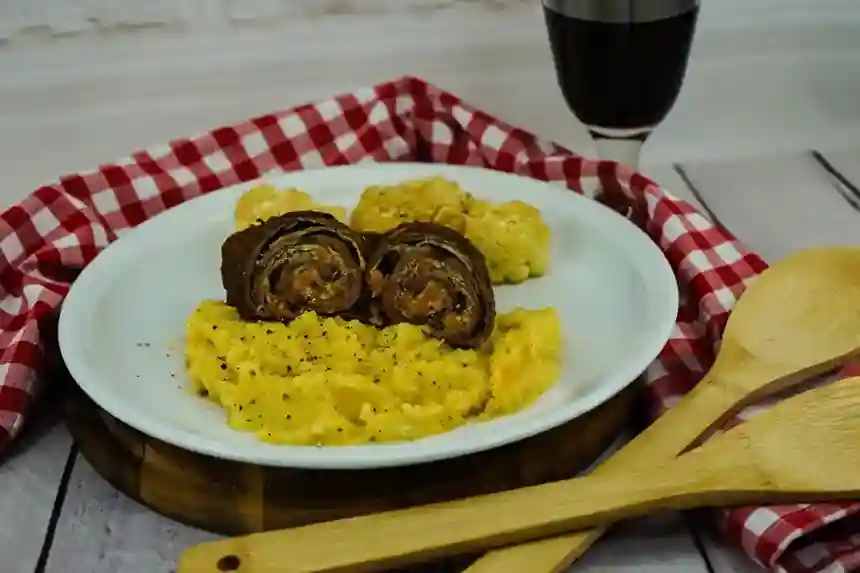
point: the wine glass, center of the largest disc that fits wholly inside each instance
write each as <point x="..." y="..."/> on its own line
<point x="620" y="65"/>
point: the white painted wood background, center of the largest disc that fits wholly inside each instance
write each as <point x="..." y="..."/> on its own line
<point x="82" y="81"/>
<point x="86" y="81"/>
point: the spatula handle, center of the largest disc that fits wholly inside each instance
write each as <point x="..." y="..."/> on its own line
<point x="397" y="538"/>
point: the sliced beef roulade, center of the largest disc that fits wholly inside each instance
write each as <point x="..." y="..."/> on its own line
<point x="428" y="274"/>
<point x="292" y="263"/>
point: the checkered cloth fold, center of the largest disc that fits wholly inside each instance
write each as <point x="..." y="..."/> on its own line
<point x="60" y="227"/>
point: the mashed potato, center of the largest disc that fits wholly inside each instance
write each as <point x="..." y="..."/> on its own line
<point x="331" y="381"/>
<point x="512" y="236"/>
<point x="265" y="201"/>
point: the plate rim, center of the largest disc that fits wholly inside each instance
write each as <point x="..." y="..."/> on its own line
<point x="378" y="455"/>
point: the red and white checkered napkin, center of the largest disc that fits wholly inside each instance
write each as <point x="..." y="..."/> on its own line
<point x="62" y="226"/>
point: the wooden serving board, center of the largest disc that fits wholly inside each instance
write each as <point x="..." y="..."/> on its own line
<point x="233" y="498"/>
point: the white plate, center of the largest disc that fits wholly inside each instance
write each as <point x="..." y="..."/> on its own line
<point x="122" y="324"/>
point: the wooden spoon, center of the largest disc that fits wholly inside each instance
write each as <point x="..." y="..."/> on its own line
<point x="799" y="319"/>
<point x="804" y="449"/>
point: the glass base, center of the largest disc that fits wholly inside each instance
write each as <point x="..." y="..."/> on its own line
<point x="634" y="133"/>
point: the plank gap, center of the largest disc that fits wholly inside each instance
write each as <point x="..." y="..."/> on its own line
<point x="846" y="189"/>
<point x="57" y="509"/>
<point x="697" y="194"/>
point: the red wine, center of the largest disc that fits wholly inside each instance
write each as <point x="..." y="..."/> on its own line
<point x="618" y="70"/>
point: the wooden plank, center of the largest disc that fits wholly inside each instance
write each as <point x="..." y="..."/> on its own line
<point x="721" y="556"/>
<point x="657" y="544"/>
<point x="725" y="557"/>
<point x="777" y="205"/>
<point x="30" y="479"/>
<point x="662" y="543"/>
<point x="102" y="531"/>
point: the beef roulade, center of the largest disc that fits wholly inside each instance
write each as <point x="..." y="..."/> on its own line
<point x="292" y="263"/>
<point x="428" y="274"/>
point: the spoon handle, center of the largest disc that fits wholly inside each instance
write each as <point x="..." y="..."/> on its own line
<point x="398" y="538"/>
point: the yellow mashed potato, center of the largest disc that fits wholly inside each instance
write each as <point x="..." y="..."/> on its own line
<point x="265" y="201"/>
<point x="512" y="235"/>
<point x="331" y="381"/>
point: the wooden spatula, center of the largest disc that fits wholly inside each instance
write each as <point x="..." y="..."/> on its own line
<point x="800" y="318"/>
<point x="806" y="448"/>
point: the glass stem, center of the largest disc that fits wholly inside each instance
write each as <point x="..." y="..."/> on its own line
<point x="623" y="151"/>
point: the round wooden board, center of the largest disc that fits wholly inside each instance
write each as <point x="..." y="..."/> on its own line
<point x="233" y="498"/>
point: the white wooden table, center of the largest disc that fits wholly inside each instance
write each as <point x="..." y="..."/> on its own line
<point x="752" y="105"/>
<point x="57" y="515"/>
